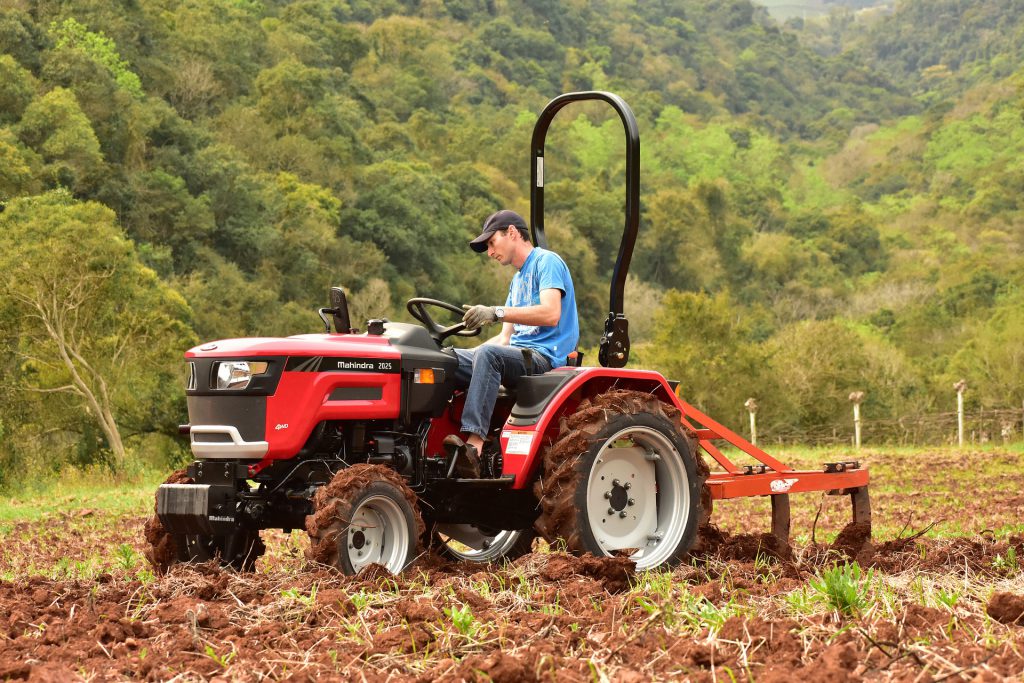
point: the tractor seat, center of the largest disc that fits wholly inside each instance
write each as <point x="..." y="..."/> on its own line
<point x="574" y="359"/>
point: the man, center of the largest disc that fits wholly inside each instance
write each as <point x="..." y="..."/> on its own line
<point x="539" y="314"/>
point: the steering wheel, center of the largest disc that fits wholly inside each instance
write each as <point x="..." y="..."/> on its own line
<point x="417" y="308"/>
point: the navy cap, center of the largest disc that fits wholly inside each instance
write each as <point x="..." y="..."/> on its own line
<point x="500" y="220"/>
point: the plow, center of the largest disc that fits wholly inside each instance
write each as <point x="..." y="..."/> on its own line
<point x="342" y="434"/>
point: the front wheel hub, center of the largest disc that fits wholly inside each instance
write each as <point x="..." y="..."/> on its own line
<point x="618" y="497"/>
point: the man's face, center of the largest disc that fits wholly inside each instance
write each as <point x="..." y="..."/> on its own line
<point x="501" y="246"/>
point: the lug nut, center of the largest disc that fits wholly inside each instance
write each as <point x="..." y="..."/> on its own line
<point x="631" y="501"/>
<point x="611" y="511"/>
<point x="607" y="495"/>
<point x="627" y="486"/>
<point x="622" y="514"/>
<point x="615" y="482"/>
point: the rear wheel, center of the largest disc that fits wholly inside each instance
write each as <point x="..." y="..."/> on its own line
<point x="623" y="475"/>
<point x="365" y="515"/>
<point x="238" y="550"/>
<point x="473" y="543"/>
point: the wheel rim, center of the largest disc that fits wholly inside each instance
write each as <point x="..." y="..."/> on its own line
<point x="378" y="533"/>
<point x="638" y="496"/>
<point x="471" y="543"/>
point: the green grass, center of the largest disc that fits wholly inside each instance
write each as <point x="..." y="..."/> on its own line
<point x="101" y="496"/>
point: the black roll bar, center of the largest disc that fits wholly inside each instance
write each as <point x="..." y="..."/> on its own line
<point x="614" y="348"/>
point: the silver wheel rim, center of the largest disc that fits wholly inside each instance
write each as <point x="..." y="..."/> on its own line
<point x="470" y="543"/>
<point x="638" y="496"/>
<point x="378" y="533"/>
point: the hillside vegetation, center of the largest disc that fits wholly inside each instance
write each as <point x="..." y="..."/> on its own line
<point x="824" y="210"/>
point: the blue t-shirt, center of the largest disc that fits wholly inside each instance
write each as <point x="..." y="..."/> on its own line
<point x="545" y="269"/>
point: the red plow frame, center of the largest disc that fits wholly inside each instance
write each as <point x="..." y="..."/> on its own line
<point x="772" y="477"/>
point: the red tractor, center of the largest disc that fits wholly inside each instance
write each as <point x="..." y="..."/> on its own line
<point x="341" y="433"/>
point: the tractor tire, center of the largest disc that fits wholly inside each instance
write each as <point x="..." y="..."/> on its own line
<point x="623" y="474"/>
<point x="472" y="543"/>
<point x="235" y="551"/>
<point x="366" y="515"/>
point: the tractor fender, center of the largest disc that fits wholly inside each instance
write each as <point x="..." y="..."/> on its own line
<point x="545" y="399"/>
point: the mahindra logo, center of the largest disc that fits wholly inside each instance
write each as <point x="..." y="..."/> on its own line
<point x="280" y="427"/>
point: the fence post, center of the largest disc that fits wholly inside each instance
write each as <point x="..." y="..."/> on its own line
<point x="751" y="406"/>
<point x="960" y="387"/>
<point x="856" y="397"/>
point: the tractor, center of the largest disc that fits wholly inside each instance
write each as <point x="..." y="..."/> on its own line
<point x="341" y="433"/>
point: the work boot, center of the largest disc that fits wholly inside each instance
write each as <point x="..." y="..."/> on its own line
<point x="467" y="459"/>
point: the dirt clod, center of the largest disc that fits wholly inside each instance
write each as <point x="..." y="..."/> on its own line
<point x="1006" y="608"/>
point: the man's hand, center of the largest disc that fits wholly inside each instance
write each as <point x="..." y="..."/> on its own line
<point x="478" y="316"/>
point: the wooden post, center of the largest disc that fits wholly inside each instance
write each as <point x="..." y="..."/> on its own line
<point x="751" y="406"/>
<point x="960" y="387"/>
<point x="856" y="397"/>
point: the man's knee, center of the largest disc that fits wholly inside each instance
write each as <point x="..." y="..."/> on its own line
<point x="488" y="356"/>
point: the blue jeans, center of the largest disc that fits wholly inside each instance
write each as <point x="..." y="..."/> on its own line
<point x="483" y="370"/>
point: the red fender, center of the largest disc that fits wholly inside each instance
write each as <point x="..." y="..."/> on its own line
<point x="522" y="444"/>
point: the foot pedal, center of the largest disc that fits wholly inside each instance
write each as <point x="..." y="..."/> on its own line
<point x="492" y="464"/>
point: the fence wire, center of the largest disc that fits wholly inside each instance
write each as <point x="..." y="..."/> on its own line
<point x="980" y="427"/>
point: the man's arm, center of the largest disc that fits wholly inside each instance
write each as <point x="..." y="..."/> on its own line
<point x="545" y="314"/>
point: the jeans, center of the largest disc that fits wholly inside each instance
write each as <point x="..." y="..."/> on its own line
<point x="483" y="370"/>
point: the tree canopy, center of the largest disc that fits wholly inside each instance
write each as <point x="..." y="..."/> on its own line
<point x="851" y="179"/>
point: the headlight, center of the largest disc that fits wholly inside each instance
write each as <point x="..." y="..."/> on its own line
<point x="236" y="374"/>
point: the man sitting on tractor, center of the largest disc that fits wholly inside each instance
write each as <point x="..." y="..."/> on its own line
<point x="539" y="316"/>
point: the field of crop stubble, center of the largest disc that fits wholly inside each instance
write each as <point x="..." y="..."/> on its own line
<point x="938" y="594"/>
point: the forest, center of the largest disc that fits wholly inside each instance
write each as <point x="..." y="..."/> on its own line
<point x="828" y="206"/>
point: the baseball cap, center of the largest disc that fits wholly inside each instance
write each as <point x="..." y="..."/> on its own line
<point x="498" y="220"/>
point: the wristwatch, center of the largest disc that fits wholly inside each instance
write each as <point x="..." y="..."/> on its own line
<point x="499" y="314"/>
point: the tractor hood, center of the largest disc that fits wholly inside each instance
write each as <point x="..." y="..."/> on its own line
<point x="298" y="345"/>
<point x="395" y="338"/>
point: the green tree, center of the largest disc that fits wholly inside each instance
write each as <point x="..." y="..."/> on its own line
<point x="17" y="88"/>
<point x="702" y="340"/>
<point x="18" y="167"/>
<point x="94" y="324"/>
<point x="75" y="35"/>
<point x="55" y="127"/>
<point x="992" y="359"/>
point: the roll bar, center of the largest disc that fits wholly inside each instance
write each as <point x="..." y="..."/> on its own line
<point x="614" y="348"/>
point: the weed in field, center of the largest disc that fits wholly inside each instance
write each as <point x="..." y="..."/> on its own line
<point x="801" y="601"/>
<point x="553" y="608"/>
<point x="689" y="614"/>
<point x="87" y="569"/>
<point x="126" y="557"/>
<point x="61" y="569"/>
<point x="699" y="613"/>
<point x="463" y="620"/>
<point x="652" y="582"/>
<point x="767" y="568"/>
<point x="361" y="600"/>
<point x="947" y="599"/>
<point x="223" y="661"/>
<point x="844" y="588"/>
<point x="296" y="595"/>
<point x="481" y="588"/>
<point x="1007" y="564"/>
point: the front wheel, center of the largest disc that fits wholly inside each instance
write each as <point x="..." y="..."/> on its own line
<point x="365" y="515"/>
<point x="474" y="543"/>
<point x="622" y="475"/>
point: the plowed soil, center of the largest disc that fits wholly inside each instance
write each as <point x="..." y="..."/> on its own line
<point x="78" y="602"/>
